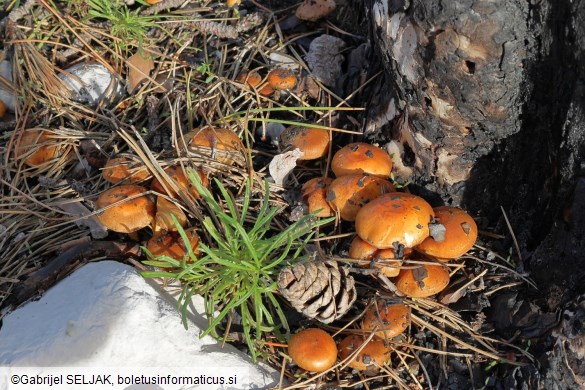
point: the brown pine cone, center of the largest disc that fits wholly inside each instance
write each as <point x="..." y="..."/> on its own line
<point x="319" y="289"/>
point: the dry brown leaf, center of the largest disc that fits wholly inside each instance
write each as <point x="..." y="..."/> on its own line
<point x="139" y="67"/>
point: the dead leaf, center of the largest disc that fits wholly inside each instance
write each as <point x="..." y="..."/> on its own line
<point x="139" y="67"/>
<point x="283" y="164"/>
<point x="78" y="210"/>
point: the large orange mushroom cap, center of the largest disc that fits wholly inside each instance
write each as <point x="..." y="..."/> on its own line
<point x="360" y="157"/>
<point x="130" y="215"/>
<point x="313" y="349"/>
<point x="391" y="320"/>
<point x="347" y="194"/>
<point x="460" y="234"/>
<point x="394" y="219"/>
<point x="313" y="10"/>
<point x="313" y="142"/>
<point x="374" y="354"/>
<point x="423" y="281"/>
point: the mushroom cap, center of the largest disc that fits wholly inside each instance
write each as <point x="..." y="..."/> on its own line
<point x="119" y="169"/>
<point x="460" y="234"/>
<point x="314" y="192"/>
<point x="423" y="281"/>
<point x="163" y="221"/>
<point x="222" y="144"/>
<point x="347" y="194"/>
<point x="2" y="109"/>
<point x="313" y="10"/>
<point x="179" y="177"/>
<point x="313" y="142"/>
<point x="359" y="249"/>
<point x="313" y="349"/>
<point x="251" y="78"/>
<point x="37" y="146"/>
<point x="128" y="216"/>
<point x="387" y="262"/>
<point x="370" y="358"/>
<point x="171" y="244"/>
<point x="393" y="219"/>
<point x="282" y="79"/>
<point x="391" y="320"/>
<point x="360" y="157"/>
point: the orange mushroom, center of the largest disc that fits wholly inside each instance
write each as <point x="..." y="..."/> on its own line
<point x="282" y="79"/>
<point x="313" y="349"/>
<point x="373" y="355"/>
<point x="181" y="180"/>
<point x="423" y="281"/>
<point x="347" y="194"/>
<point x="222" y="145"/>
<point x="394" y="219"/>
<point x="390" y="320"/>
<point x="313" y="142"/>
<point x="386" y="260"/>
<point x="2" y="109"/>
<point x="131" y="214"/>
<point x="171" y="244"/>
<point x="120" y="169"/>
<point x="37" y="146"/>
<point x="314" y="193"/>
<point x="254" y="80"/>
<point x="459" y="235"/>
<point x="313" y="10"/>
<point x="163" y="220"/>
<point x="360" y="157"/>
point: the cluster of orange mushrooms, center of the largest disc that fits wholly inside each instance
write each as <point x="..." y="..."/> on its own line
<point x="399" y="235"/>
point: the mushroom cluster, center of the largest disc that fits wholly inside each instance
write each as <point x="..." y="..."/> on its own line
<point x="278" y="79"/>
<point x="138" y="199"/>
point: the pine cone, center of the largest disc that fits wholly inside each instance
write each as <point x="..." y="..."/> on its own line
<point x="320" y="290"/>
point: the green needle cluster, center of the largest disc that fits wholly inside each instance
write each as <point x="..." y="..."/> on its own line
<point x="238" y="271"/>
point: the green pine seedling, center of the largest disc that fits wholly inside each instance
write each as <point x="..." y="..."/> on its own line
<point x="238" y="271"/>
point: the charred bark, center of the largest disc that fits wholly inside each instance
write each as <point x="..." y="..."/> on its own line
<point x="485" y="103"/>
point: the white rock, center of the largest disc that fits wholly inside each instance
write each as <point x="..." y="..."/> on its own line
<point x="107" y="315"/>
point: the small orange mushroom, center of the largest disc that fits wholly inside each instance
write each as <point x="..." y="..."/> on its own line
<point x="163" y="220"/>
<point x="423" y="281"/>
<point x="459" y="235"/>
<point x="313" y="142"/>
<point x="120" y="169"/>
<point x="37" y="146"/>
<point x="171" y="244"/>
<point x="131" y="214"/>
<point x="313" y="10"/>
<point x="373" y="355"/>
<point x="314" y="193"/>
<point x="2" y="109"/>
<point x="384" y="259"/>
<point x="254" y="80"/>
<point x="282" y="79"/>
<point x="360" y="157"/>
<point x="394" y="219"/>
<point x="391" y="320"/>
<point x="181" y="180"/>
<point x="222" y="145"/>
<point x="313" y="349"/>
<point x="347" y="194"/>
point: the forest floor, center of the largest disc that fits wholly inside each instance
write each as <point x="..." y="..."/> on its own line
<point x="176" y="66"/>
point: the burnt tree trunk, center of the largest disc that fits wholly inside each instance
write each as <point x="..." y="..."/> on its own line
<point x="485" y="102"/>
